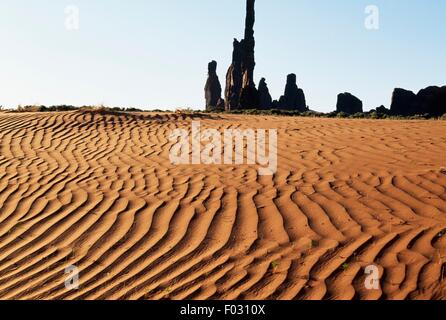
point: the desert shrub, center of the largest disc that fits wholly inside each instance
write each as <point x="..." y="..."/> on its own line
<point x="108" y="109"/>
<point x="61" y="108"/>
<point x="377" y="115"/>
<point x="87" y="108"/>
<point x="264" y="112"/>
<point x="279" y="112"/>
<point x="358" y="115"/>
<point x="312" y="114"/>
<point x="374" y="115"/>
<point x="185" y="110"/>
<point x="250" y="111"/>
<point x="37" y="108"/>
<point x="395" y="117"/>
<point x="118" y="109"/>
<point x="333" y="114"/>
<point x="133" y="110"/>
<point x="102" y="108"/>
<point x="342" y="115"/>
<point x="215" y="109"/>
<point x="31" y="108"/>
<point x="257" y="112"/>
<point x="420" y="117"/>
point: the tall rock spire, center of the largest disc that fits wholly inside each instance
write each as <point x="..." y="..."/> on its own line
<point x="265" y="100"/>
<point x="294" y="97"/>
<point x="213" y="89"/>
<point x="249" y="45"/>
<point x="241" y="92"/>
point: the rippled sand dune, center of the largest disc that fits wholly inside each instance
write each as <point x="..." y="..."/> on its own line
<point x="97" y="191"/>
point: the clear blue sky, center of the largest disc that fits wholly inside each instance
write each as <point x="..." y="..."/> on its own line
<point x="154" y="54"/>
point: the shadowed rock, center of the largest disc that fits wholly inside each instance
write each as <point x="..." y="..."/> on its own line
<point x="349" y="104"/>
<point x="249" y="99"/>
<point x="265" y="100"/>
<point x="240" y="92"/>
<point x="248" y="44"/>
<point x="213" y="88"/>
<point x="404" y="102"/>
<point x="234" y="78"/>
<point x="294" y="98"/>
<point x="432" y="100"/>
<point x="382" y="110"/>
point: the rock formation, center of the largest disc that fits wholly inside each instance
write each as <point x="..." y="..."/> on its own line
<point x="294" y="98"/>
<point x="234" y="78"/>
<point x="431" y="100"/>
<point x="248" y="44"/>
<point x="249" y="98"/>
<point x="349" y="104"/>
<point x="241" y="92"/>
<point x="404" y="102"/>
<point x="265" y="100"/>
<point x="382" y="110"/>
<point x="213" y="89"/>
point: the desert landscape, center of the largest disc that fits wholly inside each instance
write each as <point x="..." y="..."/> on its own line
<point x="96" y="190"/>
<point x="219" y="159"/>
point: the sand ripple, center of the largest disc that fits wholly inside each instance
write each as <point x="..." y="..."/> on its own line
<point x="97" y="191"/>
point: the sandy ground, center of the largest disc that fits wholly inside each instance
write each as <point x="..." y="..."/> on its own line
<point x="98" y="191"/>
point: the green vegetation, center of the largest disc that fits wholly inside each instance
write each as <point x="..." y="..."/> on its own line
<point x="35" y="108"/>
<point x="274" y="265"/>
<point x="65" y="108"/>
<point x="108" y="109"/>
<point x="342" y="115"/>
<point x="373" y="114"/>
